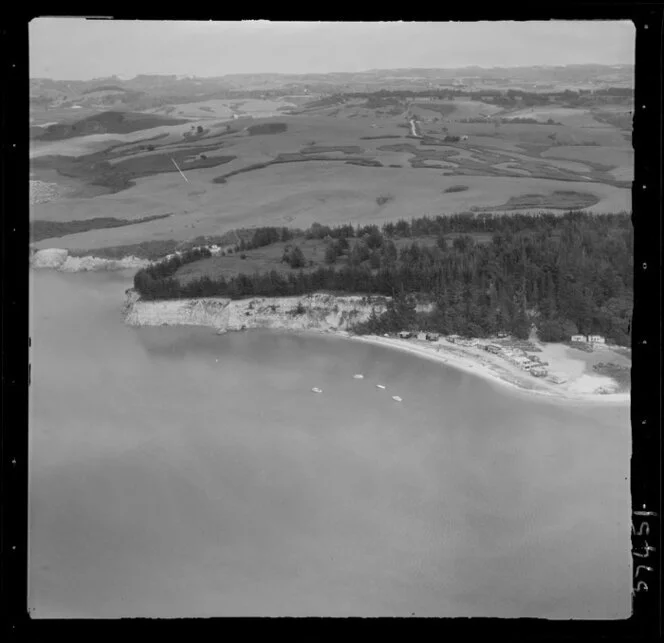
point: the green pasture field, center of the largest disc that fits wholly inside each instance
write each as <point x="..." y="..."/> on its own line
<point x="313" y="179"/>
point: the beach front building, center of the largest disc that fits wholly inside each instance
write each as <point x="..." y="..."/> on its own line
<point x="433" y="337"/>
<point x="588" y="339"/>
<point x="538" y="371"/>
<point x="453" y="338"/>
<point x="422" y="336"/>
<point x="521" y="362"/>
<point x="493" y="348"/>
<point x="405" y="334"/>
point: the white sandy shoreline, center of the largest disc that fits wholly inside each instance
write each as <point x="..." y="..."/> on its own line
<point x="467" y="362"/>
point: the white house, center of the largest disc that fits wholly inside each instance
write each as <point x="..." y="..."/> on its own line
<point x="422" y="335"/>
<point x="596" y="339"/>
<point x="578" y="338"/>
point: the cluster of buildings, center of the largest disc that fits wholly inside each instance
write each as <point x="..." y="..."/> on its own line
<point x="422" y="336"/>
<point x="515" y="356"/>
<point x="588" y="339"/>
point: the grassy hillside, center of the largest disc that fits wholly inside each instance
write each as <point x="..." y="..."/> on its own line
<point x="345" y="158"/>
<point x="105" y="123"/>
<point x="51" y="229"/>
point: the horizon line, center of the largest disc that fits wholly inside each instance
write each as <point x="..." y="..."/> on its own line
<point x="328" y="73"/>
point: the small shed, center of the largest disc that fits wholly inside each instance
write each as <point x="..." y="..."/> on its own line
<point x="578" y="338"/>
<point x="405" y="334"/>
<point x="596" y="339"/>
<point x="421" y="335"/>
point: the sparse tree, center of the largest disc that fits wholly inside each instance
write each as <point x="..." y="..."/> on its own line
<point x="331" y="253"/>
<point x="296" y="258"/>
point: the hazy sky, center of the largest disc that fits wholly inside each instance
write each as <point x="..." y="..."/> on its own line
<point x="74" y="48"/>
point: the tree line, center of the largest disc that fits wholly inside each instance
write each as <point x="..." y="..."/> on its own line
<point x="567" y="274"/>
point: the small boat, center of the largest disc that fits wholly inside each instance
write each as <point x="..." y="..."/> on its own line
<point x="379" y="386"/>
<point x="397" y="398"/>
<point x="317" y="390"/>
<point x="359" y="376"/>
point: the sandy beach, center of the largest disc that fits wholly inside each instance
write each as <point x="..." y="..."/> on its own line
<point x="580" y="386"/>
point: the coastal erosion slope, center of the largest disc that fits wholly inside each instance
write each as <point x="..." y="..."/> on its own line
<point x="319" y="311"/>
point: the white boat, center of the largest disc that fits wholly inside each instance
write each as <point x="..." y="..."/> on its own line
<point x="396" y="398"/>
<point x="379" y="386"/>
<point x="317" y="390"/>
<point x="358" y="376"/>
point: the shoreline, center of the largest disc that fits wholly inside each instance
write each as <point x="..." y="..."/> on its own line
<point x="465" y="359"/>
<point x="326" y="314"/>
<point x="467" y="362"/>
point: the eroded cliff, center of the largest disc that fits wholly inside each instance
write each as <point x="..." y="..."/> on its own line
<point x="318" y="311"/>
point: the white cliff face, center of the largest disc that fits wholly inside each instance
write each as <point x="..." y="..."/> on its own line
<point x="59" y="259"/>
<point x="320" y="312"/>
<point x="49" y="258"/>
<point x="79" y="264"/>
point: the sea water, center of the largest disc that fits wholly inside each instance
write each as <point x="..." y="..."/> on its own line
<point x="176" y="472"/>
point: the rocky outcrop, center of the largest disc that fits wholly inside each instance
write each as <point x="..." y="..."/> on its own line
<point x="317" y="311"/>
<point x="60" y="259"/>
<point x="49" y="258"/>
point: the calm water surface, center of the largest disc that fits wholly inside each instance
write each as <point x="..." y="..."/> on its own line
<point x="175" y="472"/>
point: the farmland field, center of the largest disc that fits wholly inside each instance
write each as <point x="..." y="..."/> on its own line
<point x="251" y="162"/>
